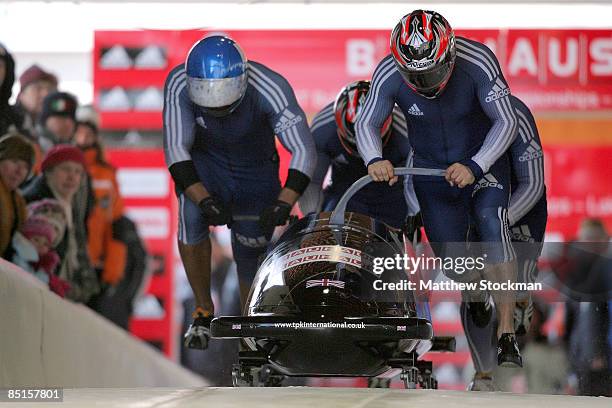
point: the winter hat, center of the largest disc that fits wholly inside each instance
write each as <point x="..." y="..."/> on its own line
<point x="37" y="225"/>
<point x="46" y="205"/>
<point x="62" y="153"/>
<point x="55" y="214"/>
<point x="58" y="104"/>
<point x="90" y="124"/>
<point x="36" y="73"/>
<point x="16" y="146"/>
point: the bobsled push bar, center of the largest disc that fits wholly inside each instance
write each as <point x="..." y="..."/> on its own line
<point x="337" y="216"/>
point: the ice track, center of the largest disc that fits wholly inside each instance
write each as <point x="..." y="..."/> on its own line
<point x="309" y="397"/>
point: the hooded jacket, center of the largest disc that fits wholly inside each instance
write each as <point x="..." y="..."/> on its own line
<point x="12" y="216"/>
<point x="9" y="116"/>
<point x="106" y="252"/>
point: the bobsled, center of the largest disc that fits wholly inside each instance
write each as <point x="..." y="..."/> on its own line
<point x="313" y="309"/>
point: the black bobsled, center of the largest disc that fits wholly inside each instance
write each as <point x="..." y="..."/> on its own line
<point x="313" y="309"/>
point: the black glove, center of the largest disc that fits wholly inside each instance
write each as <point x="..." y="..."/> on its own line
<point x="276" y="214"/>
<point x="412" y="224"/>
<point x="215" y="211"/>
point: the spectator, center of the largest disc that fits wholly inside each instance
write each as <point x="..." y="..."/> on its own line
<point x="54" y="213"/>
<point x="57" y="120"/>
<point x="117" y="303"/>
<point x="16" y="160"/>
<point x="107" y="253"/>
<point x="588" y="322"/>
<point x="546" y="362"/>
<point x="582" y="267"/>
<point x="36" y="84"/>
<point x="63" y="169"/>
<point x="9" y="117"/>
<point x="33" y="248"/>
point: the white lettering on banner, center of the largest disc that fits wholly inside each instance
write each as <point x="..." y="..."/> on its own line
<point x="314" y="99"/>
<point x="590" y="206"/>
<point x="143" y="182"/>
<point x="559" y="206"/>
<point x="601" y="52"/>
<point x="522" y="58"/>
<point x="360" y="57"/>
<point x="152" y="222"/>
<point x="570" y="67"/>
<point x="561" y="100"/>
<point x="599" y="206"/>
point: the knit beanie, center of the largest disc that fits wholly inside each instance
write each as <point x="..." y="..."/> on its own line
<point x="58" y="104"/>
<point x="37" y="225"/>
<point x="36" y="73"/>
<point x="62" y="153"/>
<point x="16" y="146"/>
<point x="53" y="211"/>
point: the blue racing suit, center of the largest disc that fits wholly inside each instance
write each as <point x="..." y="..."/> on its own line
<point x="527" y="214"/>
<point x="235" y="156"/>
<point x="376" y="200"/>
<point x="472" y="122"/>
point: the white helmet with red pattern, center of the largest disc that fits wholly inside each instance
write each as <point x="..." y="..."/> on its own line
<point x="346" y="107"/>
<point x="423" y="48"/>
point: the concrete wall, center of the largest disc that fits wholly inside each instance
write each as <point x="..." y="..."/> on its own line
<point x="51" y="342"/>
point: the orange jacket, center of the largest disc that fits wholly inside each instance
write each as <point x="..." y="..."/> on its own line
<point x="105" y="252"/>
<point x="12" y="215"/>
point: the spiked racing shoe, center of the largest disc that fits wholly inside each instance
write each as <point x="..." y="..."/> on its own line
<point x="508" y="353"/>
<point x="198" y="334"/>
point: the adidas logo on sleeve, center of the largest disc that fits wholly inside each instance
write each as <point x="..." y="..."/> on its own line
<point x="522" y="233"/>
<point x="487" y="181"/>
<point x="533" y="151"/>
<point x="414" y="110"/>
<point x="287" y="120"/>
<point x="498" y="91"/>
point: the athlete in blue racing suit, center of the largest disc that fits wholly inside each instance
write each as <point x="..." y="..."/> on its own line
<point x="221" y="115"/>
<point x="457" y="106"/>
<point x="527" y="214"/>
<point x="334" y="135"/>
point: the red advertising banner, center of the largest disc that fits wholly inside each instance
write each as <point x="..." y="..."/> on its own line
<point x="148" y="195"/>
<point x="578" y="186"/>
<point x="549" y="69"/>
<point x="559" y="69"/>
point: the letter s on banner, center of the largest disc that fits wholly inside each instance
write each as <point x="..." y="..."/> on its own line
<point x="601" y="52"/>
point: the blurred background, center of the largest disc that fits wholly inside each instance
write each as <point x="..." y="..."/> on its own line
<point x="114" y="57"/>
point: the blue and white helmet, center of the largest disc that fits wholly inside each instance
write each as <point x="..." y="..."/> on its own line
<point x="216" y="74"/>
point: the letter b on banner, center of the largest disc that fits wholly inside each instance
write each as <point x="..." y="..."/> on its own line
<point x="360" y="57"/>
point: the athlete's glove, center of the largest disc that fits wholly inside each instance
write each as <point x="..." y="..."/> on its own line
<point x="215" y="211"/>
<point x="276" y="214"/>
<point x="412" y="224"/>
